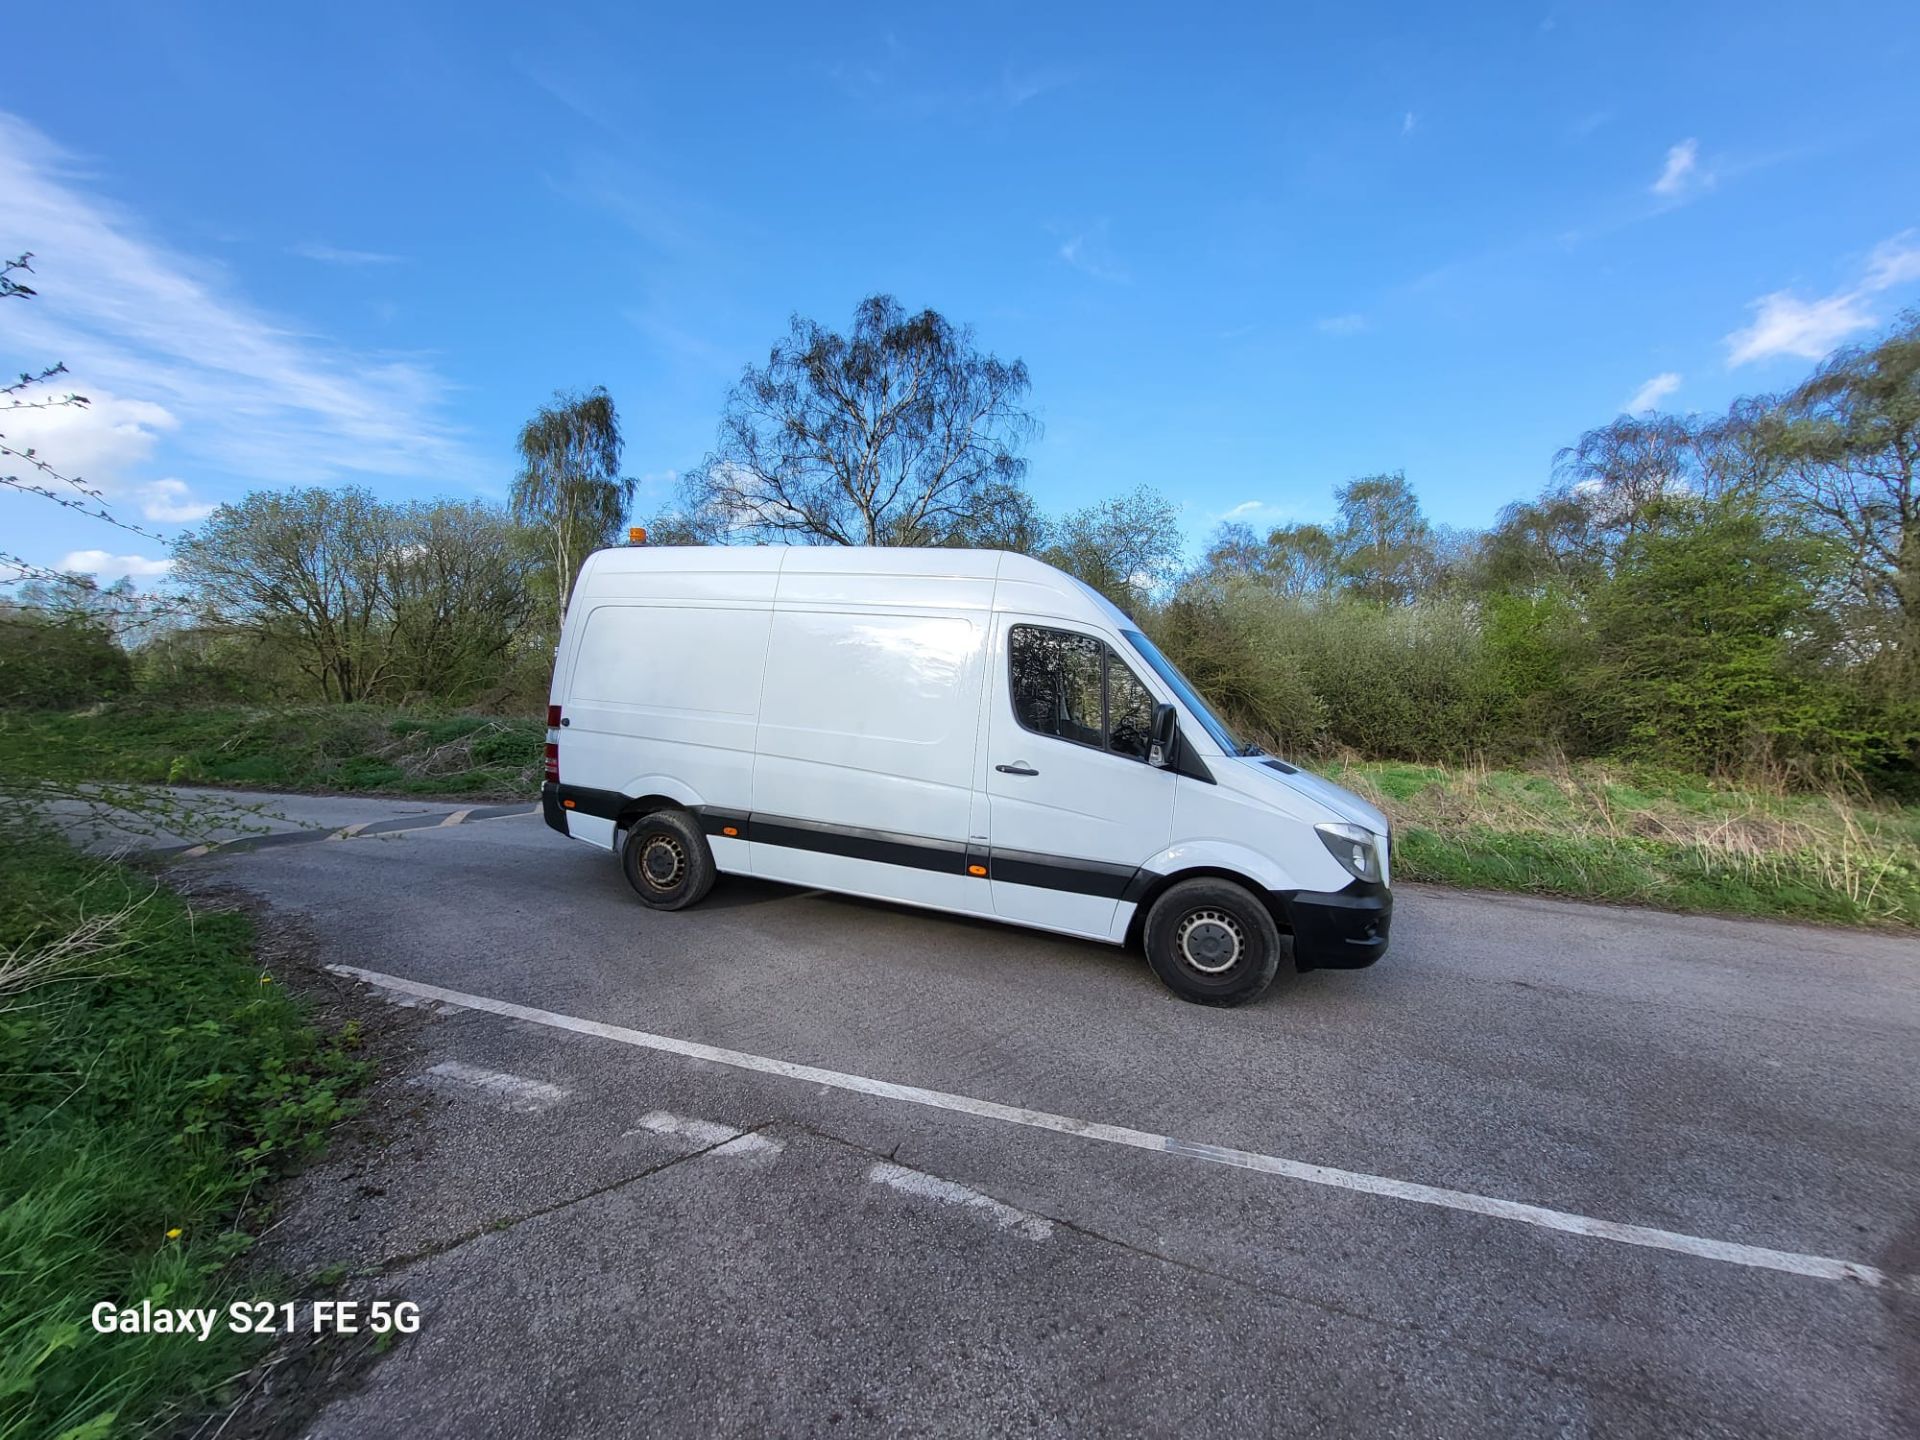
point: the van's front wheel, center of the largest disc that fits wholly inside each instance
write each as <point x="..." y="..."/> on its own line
<point x="667" y="860"/>
<point x="1212" y="942"/>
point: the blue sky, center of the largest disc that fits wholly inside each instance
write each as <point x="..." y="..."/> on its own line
<point x="1247" y="254"/>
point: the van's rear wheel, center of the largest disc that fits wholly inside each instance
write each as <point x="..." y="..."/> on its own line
<point x="667" y="860"/>
<point x="1212" y="942"/>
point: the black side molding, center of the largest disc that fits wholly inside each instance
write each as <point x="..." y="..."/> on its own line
<point x="602" y="804"/>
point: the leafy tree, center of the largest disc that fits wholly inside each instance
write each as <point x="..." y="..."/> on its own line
<point x="569" y="486"/>
<point x="369" y="599"/>
<point x="889" y="435"/>
<point x="1303" y="560"/>
<point x="1235" y="553"/>
<point x="1702" y="635"/>
<point x="1385" y="543"/>
<point x="1003" y="517"/>
<point x="1126" y="548"/>
<point x="1554" y="541"/>
<point x="1850" y="437"/>
<point x="458" y="588"/>
<point x="303" y="569"/>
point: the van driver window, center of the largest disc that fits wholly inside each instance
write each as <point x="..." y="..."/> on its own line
<point x="1129" y="711"/>
<point x="1074" y="688"/>
<point x="1056" y="683"/>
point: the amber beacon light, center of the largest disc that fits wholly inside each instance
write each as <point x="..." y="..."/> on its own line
<point x="637" y="535"/>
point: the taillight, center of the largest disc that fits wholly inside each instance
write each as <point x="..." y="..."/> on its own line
<point x="553" y="717"/>
<point x="553" y="762"/>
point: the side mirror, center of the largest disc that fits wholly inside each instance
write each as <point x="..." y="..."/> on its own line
<point x="1165" y="725"/>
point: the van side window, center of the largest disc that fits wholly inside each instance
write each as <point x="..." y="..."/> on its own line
<point x="1072" y="687"/>
<point x="1129" y="711"/>
<point x="1056" y="684"/>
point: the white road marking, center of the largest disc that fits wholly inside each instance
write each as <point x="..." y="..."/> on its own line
<point x="721" y="1139"/>
<point x="349" y="831"/>
<point x="750" y="1147"/>
<point x="700" y="1132"/>
<point x="518" y="1092"/>
<point x="456" y="818"/>
<point x="931" y="1187"/>
<point x="1757" y="1257"/>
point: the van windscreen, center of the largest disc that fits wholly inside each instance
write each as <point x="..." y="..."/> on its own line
<point x="1190" y="697"/>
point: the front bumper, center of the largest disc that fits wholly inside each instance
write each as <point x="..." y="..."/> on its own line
<point x="1339" y="929"/>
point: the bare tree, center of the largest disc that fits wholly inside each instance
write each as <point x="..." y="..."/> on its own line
<point x="569" y="485"/>
<point x="886" y="436"/>
<point x="37" y="475"/>
<point x="1623" y="468"/>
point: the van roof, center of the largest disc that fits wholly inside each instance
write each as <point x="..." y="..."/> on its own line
<point x="1028" y="583"/>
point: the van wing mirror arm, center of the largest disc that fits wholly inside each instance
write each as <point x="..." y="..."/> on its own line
<point x="1165" y="727"/>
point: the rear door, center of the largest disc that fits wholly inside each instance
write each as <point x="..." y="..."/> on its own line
<point x="1073" y="808"/>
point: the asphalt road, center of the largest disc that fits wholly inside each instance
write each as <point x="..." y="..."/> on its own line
<point x="607" y="1236"/>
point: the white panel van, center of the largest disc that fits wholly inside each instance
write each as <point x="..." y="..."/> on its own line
<point x="965" y="730"/>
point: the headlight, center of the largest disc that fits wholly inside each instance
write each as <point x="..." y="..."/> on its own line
<point x="1354" y="846"/>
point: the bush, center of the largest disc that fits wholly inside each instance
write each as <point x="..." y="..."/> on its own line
<point x="51" y="661"/>
<point x="1307" y="676"/>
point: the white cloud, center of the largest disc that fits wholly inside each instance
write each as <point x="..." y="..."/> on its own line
<point x="1893" y="262"/>
<point x="1784" y="324"/>
<point x="100" y="564"/>
<point x="99" y="442"/>
<point x="1649" y="395"/>
<point x="1682" y="171"/>
<point x="1807" y="328"/>
<point x="167" y="337"/>
<point x="1342" y="325"/>
<point x="1020" y="86"/>
<point x="172" y="502"/>
<point x="1088" y="252"/>
<point x="334" y="255"/>
<point x="1407" y="123"/>
<point x="1256" y="512"/>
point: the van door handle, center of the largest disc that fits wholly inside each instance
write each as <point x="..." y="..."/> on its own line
<point x="1019" y="767"/>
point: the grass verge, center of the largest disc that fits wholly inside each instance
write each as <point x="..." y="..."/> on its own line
<point x="154" y="1079"/>
<point x="1591" y="832"/>
<point x="351" y="748"/>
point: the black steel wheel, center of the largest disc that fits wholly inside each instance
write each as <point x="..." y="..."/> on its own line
<point x="667" y="860"/>
<point x="1212" y="942"/>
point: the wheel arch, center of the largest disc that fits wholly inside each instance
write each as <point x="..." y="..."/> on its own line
<point x="639" y="806"/>
<point x="1163" y="883"/>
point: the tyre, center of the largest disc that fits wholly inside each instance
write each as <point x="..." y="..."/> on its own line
<point x="667" y="860"/>
<point x="1212" y="942"/>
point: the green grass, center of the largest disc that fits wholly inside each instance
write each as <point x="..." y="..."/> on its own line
<point x="351" y="748"/>
<point x="1587" y="831"/>
<point x="150" y="1086"/>
<point x="1678" y="842"/>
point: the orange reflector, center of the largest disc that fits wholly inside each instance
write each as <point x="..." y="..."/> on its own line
<point x="728" y="830"/>
<point x="976" y="869"/>
<point x="568" y="803"/>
